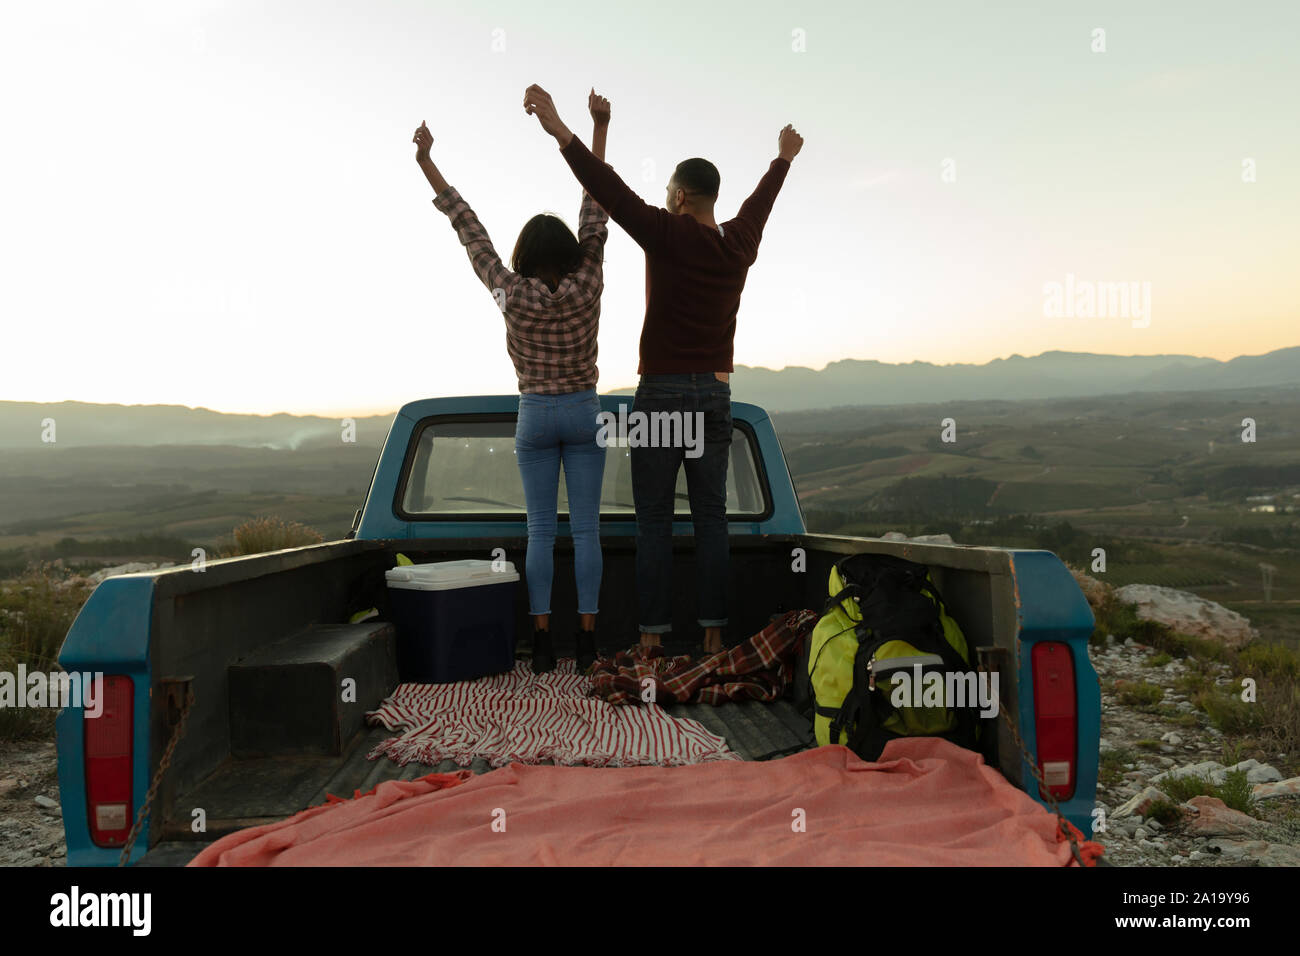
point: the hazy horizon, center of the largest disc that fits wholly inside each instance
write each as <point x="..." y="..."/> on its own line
<point x="216" y="205"/>
<point x="355" y="411"/>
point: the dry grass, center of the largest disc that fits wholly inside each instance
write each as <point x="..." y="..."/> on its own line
<point x="268" y="533"/>
<point x="36" y="610"/>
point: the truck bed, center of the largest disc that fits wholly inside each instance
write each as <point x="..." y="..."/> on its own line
<point x="201" y="626"/>
<point x="251" y="792"/>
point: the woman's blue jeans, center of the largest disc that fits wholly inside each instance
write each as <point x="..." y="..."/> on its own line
<point x="552" y="430"/>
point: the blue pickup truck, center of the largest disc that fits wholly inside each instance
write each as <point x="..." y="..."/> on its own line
<point x="252" y="650"/>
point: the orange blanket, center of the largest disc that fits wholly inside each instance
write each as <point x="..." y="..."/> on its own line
<point x="926" y="802"/>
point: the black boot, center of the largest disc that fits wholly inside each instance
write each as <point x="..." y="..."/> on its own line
<point x="543" y="652"/>
<point x="584" y="643"/>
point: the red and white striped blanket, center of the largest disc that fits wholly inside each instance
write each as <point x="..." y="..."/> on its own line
<point x="526" y="717"/>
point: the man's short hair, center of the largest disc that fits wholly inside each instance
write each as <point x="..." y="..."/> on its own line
<point x="698" y="176"/>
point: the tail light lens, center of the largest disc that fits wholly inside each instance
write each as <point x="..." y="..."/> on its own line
<point x="108" y="740"/>
<point x="1055" y="716"/>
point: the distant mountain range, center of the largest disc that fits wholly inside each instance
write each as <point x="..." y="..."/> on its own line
<point x="1049" y="375"/>
<point x="851" y="382"/>
<point x="80" y="424"/>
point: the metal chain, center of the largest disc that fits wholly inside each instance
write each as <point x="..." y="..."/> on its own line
<point x="163" y="765"/>
<point x="1044" y="790"/>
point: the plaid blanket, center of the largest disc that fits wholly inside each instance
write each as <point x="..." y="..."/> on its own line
<point x="760" y="667"/>
<point x="526" y="717"/>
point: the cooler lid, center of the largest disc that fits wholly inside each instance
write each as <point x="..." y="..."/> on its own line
<point x="448" y="575"/>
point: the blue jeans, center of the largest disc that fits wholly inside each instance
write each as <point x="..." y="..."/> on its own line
<point x="552" y="429"/>
<point x="654" y="491"/>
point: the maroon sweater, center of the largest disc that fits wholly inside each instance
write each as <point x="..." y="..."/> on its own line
<point x="693" y="274"/>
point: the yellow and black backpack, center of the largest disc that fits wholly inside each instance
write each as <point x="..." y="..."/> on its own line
<point x="884" y="616"/>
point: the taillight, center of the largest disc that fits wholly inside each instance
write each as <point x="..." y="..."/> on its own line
<point x="108" y="763"/>
<point x="1054" y="716"/>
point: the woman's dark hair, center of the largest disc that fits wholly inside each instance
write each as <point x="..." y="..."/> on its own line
<point x="546" y="249"/>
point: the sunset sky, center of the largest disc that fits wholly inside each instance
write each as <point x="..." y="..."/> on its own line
<point x="216" y="203"/>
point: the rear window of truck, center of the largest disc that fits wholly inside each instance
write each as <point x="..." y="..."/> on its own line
<point x="460" y="467"/>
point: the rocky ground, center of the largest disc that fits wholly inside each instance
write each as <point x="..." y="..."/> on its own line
<point x="31" y="825"/>
<point x="1210" y="834"/>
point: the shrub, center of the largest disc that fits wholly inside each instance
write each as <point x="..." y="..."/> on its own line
<point x="1138" y="693"/>
<point x="1228" y="712"/>
<point x="1111" y="764"/>
<point x="268" y="533"/>
<point x="36" y="610"/>
<point x="1270" y="660"/>
<point x="1278" y="714"/>
<point x="1237" y="792"/>
<point x="1183" y="788"/>
<point x="1165" y="812"/>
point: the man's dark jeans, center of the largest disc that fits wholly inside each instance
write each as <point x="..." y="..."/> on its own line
<point x="654" y="487"/>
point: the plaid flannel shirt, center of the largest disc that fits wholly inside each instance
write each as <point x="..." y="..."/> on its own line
<point x="551" y="336"/>
<point x="758" y="668"/>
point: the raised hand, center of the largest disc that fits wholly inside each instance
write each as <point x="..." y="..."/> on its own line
<point x="537" y="102"/>
<point x="423" y="139"/>
<point x="599" y="108"/>
<point x="789" y="142"/>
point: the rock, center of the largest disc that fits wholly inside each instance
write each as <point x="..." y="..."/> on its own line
<point x="1214" y="818"/>
<point x="1172" y="738"/>
<point x="1166" y="761"/>
<point x="1281" y="788"/>
<point x="1217" y="773"/>
<point x="131" y="567"/>
<point x="1189" y="614"/>
<point x="44" y="801"/>
<point x="1256" y="772"/>
<point x="1152" y="825"/>
<point x="1139" y="805"/>
<point x="1262" y="852"/>
<point x="1141" y="833"/>
<point x="1227" y="848"/>
<point x="1206" y="768"/>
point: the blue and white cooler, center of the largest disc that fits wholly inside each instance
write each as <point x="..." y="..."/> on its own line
<point x="455" y="620"/>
